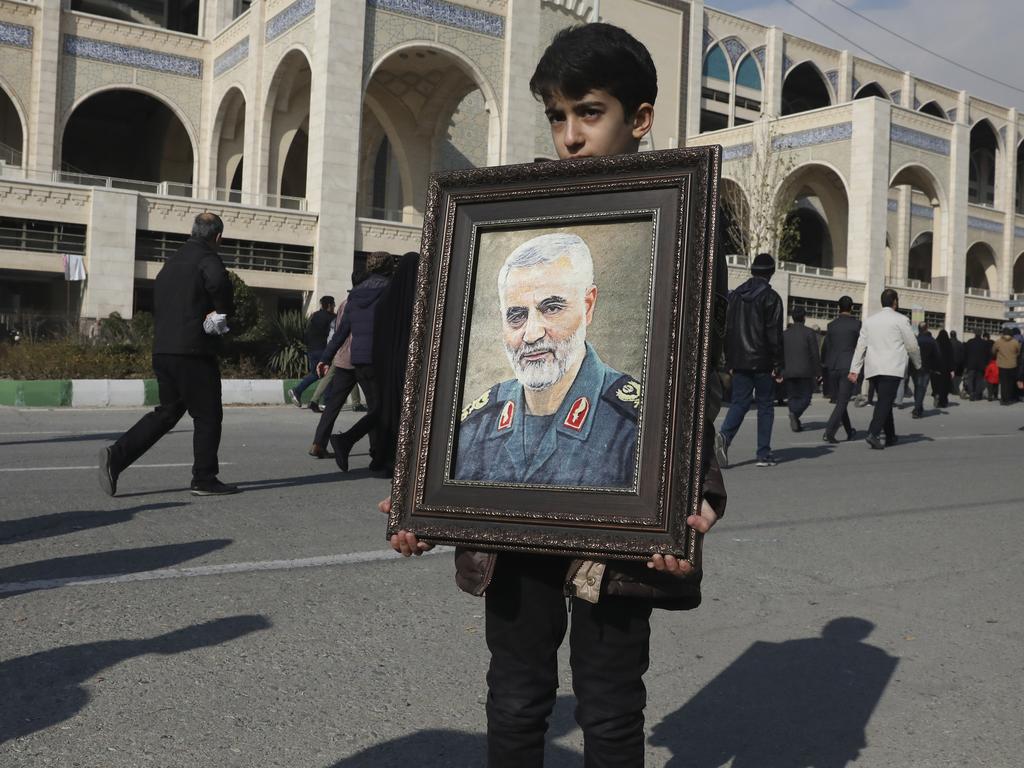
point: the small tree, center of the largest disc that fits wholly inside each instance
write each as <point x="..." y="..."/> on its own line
<point x="760" y="221"/>
<point x="248" y="312"/>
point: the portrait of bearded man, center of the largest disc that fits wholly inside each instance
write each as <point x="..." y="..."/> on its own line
<point x="566" y="418"/>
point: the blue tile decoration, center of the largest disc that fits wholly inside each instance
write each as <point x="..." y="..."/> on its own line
<point x="288" y="18"/>
<point x="833" y="78"/>
<point x="896" y="96"/>
<point x="814" y="136"/>
<point x="917" y="103"/>
<point x="973" y="222"/>
<point x="919" y="140"/>
<point x="129" y="56"/>
<point x="16" y="35"/>
<point x="917" y="211"/>
<point x="760" y="53"/>
<point x="737" y="152"/>
<point x="448" y="14"/>
<point x="735" y="48"/>
<point x="787" y="64"/>
<point x="892" y="205"/>
<point x="708" y="39"/>
<point x="232" y="56"/>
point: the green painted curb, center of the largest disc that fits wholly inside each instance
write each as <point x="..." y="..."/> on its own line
<point x="290" y="384"/>
<point x="152" y="392"/>
<point x="36" y="394"/>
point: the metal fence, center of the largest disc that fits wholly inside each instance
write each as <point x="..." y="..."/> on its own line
<point x="236" y="254"/>
<point x="41" y="236"/>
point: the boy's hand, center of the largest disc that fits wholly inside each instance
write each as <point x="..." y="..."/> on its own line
<point x="404" y="542"/>
<point x="321" y="370"/>
<point x="701" y="523"/>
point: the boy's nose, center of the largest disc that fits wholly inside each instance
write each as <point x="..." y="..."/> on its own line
<point x="573" y="136"/>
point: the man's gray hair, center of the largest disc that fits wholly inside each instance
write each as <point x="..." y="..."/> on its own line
<point x="546" y="249"/>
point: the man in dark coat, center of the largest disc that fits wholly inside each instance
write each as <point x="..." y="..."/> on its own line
<point x="358" y="321"/>
<point x="929" y="363"/>
<point x="753" y="349"/>
<point x="802" y="363"/>
<point x="977" y="353"/>
<point x="841" y="341"/>
<point x="320" y="323"/>
<point x="959" y="360"/>
<point x="191" y="288"/>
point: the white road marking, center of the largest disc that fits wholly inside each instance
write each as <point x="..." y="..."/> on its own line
<point x="351" y="558"/>
<point x="862" y="433"/>
<point x="94" y="466"/>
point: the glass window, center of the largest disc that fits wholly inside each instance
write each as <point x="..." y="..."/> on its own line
<point x="716" y="65"/>
<point x="748" y="75"/>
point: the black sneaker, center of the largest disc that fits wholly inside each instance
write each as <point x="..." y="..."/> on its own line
<point x="766" y="461"/>
<point x="294" y="397"/>
<point x="721" y="451"/>
<point x="212" y="487"/>
<point x="108" y="475"/>
<point x="315" y="407"/>
<point x="794" y="422"/>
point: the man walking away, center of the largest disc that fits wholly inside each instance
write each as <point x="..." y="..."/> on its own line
<point x="886" y="342"/>
<point x="923" y="373"/>
<point x="841" y="339"/>
<point x="1007" y="354"/>
<point x="753" y="349"/>
<point x="802" y="363"/>
<point x="317" y="331"/>
<point x="976" y="357"/>
<point x="192" y="288"/>
<point x="959" y="364"/>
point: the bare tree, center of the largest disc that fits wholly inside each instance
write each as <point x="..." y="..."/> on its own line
<point x="759" y="220"/>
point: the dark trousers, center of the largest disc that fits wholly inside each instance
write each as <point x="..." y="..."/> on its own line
<point x="974" y="383"/>
<point x="312" y="357"/>
<point x="368" y="424"/>
<point x="881" y="419"/>
<point x="843" y="388"/>
<point x="609" y="651"/>
<point x="1007" y="385"/>
<point x="799" y="392"/>
<point x="186" y="383"/>
<point x="748" y="386"/>
<point x="341" y="387"/>
<point x="921" y="379"/>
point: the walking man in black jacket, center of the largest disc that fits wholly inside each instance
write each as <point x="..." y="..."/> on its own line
<point x="841" y="340"/>
<point x="929" y="363"/>
<point x="976" y="356"/>
<point x="192" y="288"/>
<point x="753" y="349"/>
<point x="802" y="363"/>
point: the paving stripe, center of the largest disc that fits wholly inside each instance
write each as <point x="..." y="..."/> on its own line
<point x="94" y="466"/>
<point x="351" y="558"/>
<point x="862" y="433"/>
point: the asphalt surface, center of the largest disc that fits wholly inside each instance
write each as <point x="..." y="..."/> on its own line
<point x="861" y="607"/>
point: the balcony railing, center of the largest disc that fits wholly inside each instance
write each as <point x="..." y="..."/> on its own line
<point x="41" y="236"/>
<point x="237" y="254"/>
<point x="982" y="292"/>
<point x="263" y="200"/>
<point x="909" y="282"/>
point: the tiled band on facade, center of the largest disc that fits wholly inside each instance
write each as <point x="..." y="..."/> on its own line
<point x="16" y="35"/>
<point x="448" y="14"/>
<point x="233" y="56"/>
<point x="289" y="17"/>
<point x="919" y="140"/>
<point x="130" y="56"/>
<point x="985" y="225"/>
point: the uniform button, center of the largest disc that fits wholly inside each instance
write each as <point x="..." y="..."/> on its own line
<point x="591" y="580"/>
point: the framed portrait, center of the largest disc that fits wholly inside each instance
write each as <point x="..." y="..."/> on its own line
<point x="555" y="393"/>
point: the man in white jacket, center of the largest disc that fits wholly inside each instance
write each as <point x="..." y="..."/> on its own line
<point x="886" y="343"/>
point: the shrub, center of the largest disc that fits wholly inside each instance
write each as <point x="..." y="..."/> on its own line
<point x="289" y="359"/>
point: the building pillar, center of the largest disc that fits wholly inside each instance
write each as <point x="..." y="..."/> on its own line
<point x="215" y="15"/>
<point x="44" y="134"/>
<point x="845" y="77"/>
<point x="336" y="97"/>
<point x="110" y="254"/>
<point x="1009" y="206"/>
<point x="954" y="222"/>
<point x="909" y="94"/>
<point x="869" y="194"/>
<point x="694" y="69"/>
<point x="254" y="169"/>
<point x="901" y="243"/>
<point x="774" y="73"/>
<point x="519" y="110"/>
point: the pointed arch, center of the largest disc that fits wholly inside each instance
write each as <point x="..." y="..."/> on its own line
<point x="932" y="108"/>
<point x="872" y="90"/>
<point x="716" y="65"/>
<point x="13" y="127"/>
<point x="805" y="88"/>
<point x="981" y="272"/>
<point x="228" y="143"/>
<point x="748" y="74"/>
<point x="816" y="198"/>
<point x="285" y="122"/>
<point x="984" y="158"/>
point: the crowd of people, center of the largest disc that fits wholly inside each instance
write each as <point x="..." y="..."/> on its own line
<point x="765" y="364"/>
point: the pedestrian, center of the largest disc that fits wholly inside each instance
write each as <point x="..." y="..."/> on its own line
<point x="885" y="344"/>
<point x="1007" y="355"/>
<point x="841" y="338"/>
<point x="753" y="350"/>
<point x="598" y="85"/>
<point x="976" y="357"/>
<point x="802" y="364"/>
<point x="923" y="373"/>
<point x="391" y="330"/>
<point x="358" y="321"/>
<point x="992" y="379"/>
<point x="192" y="300"/>
<point x="344" y="384"/>
<point x="317" y="330"/>
<point x="942" y="374"/>
<point x="959" y="364"/>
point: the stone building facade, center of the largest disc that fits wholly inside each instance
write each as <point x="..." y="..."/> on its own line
<point x="311" y="127"/>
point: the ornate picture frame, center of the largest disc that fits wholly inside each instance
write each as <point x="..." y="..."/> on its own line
<point x="555" y="394"/>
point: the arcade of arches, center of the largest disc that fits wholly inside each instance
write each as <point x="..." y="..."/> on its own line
<point x="288" y="127"/>
<point x="816" y="199"/>
<point x="229" y="133"/>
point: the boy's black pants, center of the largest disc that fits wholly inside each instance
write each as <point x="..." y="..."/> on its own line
<point x="609" y="651"/>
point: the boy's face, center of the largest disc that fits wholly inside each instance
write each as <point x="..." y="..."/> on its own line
<point x="595" y="125"/>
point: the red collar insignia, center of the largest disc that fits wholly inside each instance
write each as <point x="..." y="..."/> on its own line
<point x="577" y="415"/>
<point x="507" y="412"/>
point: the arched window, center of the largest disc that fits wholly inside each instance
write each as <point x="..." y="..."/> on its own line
<point x="872" y="89"/>
<point x="1019" y="196"/>
<point x="981" y="183"/>
<point x="716" y="66"/>
<point x="804" y="89"/>
<point x="932" y="108"/>
<point x="748" y="75"/>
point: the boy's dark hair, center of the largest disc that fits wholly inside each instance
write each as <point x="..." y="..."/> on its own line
<point x="799" y="314"/>
<point x="597" y="56"/>
<point x="845" y="304"/>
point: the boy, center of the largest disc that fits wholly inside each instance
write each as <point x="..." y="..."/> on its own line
<point x="598" y="85"/>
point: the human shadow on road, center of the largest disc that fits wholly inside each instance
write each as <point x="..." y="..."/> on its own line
<point x="795" y="704"/>
<point x="49" y="574"/>
<point x="46" y="688"/>
<point x="79" y="438"/>
<point x="796" y="453"/>
<point x="60" y="523"/>
<point x="447" y="748"/>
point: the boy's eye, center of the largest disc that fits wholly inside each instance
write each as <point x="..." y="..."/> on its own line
<point x="555" y="117"/>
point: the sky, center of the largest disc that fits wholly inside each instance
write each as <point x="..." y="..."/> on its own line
<point x="985" y="35"/>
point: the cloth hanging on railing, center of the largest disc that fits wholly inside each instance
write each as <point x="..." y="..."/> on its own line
<point x="74" y="267"/>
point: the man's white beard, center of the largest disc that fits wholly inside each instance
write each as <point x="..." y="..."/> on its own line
<point x="549" y="371"/>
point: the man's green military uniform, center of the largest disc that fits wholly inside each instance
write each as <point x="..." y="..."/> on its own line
<point x="591" y="441"/>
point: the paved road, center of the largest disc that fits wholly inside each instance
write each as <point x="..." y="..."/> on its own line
<point x="857" y="602"/>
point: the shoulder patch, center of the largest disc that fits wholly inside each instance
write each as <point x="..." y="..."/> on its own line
<point x="480" y="404"/>
<point x="626" y="394"/>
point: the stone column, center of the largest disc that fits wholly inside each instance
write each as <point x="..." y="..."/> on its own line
<point x="334" y="123"/>
<point x="909" y="91"/>
<point x="254" y="171"/>
<point x="954" y="222"/>
<point x="774" y="74"/>
<point x="869" y="194"/>
<point x="215" y="15"/>
<point x="519" y="110"/>
<point x="901" y="245"/>
<point x="43" y="117"/>
<point x="694" y="70"/>
<point x="1009" y="206"/>
<point x="845" y="77"/>
<point x="110" y="254"/>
